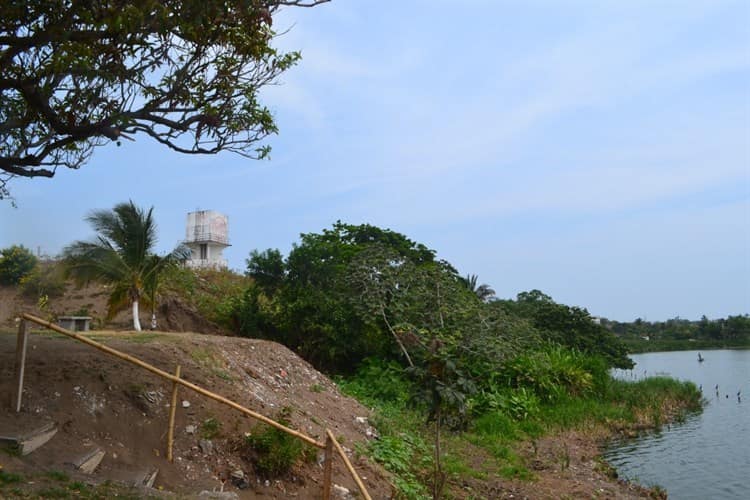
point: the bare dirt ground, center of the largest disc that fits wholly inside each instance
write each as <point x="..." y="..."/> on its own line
<point x="566" y="465"/>
<point x="100" y="401"/>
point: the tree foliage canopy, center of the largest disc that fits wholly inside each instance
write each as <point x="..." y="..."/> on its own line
<point x="569" y="326"/>
<point x="76" y="75"/>
<point x="358" y="296"/>
<point x="354" y="291"/>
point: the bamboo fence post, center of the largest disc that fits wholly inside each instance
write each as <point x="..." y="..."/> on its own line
<point x="21" y="343"/>
<point x="172" y="410"/>
<point x="349" y="466"/>
<point x="327" y="469"/>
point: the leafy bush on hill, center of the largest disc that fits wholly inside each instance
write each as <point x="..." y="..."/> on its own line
<point x="46" y="279"/>
<point x="16" y="261"/>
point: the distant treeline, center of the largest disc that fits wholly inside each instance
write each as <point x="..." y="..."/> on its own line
<point x="679" y="334"/>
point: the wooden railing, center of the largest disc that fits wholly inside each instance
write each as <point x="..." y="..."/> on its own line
<point x="329" y="446"/>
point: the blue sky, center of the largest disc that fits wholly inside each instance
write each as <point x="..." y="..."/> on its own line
<point x="598" y="151"/>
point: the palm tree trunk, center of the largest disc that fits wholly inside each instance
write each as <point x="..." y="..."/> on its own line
<point x="136" y="320"/>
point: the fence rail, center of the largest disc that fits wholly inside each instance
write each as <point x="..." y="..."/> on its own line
<point x="328" y="446"/>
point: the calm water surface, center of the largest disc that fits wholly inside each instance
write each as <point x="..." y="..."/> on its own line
<point x="708" y="456"/>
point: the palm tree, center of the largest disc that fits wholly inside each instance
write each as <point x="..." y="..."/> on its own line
<point x="121" y="256"/>
<point x="483" y="292"/>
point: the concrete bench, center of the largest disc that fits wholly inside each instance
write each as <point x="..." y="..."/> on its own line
<point x="74" y="323"/>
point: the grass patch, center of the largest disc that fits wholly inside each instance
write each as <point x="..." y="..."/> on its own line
<point x="403" y="448"/>
<point x="9" y="478"/>
<point x="79" y="488"/>
<point x="57" y="475"/>
<point x="141" y="338"/>
<point x="54" y="492"/>
<point x="209" y="359"/>
<point x="210" y="428"/>
<point x="133" y="338"/>
<point x="455" y="464"/>
<point x="39" y="486"/>
<point x="497" y="433"/>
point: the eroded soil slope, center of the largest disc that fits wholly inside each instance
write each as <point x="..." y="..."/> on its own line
<point x="98" y="401"/>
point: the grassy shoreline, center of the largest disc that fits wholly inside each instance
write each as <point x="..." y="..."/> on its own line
<point x="556" y="449"/>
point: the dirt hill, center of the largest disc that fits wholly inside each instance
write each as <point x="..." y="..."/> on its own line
<point x="100" y="402"/>
<point x="173" y="315"/>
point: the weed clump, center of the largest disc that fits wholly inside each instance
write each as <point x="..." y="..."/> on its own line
<point x="9" y="478"/>
<point x="273" y="452"/>
<point x="210" y="428"/>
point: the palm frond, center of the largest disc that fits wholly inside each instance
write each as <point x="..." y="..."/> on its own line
<point x="92" y="261"/>
<point x="119" y="300"/>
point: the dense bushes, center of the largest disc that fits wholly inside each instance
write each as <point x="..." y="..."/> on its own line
<point x="16" y="262"/>
<point x="550" y="373"/>
<point x="45" y="280"/>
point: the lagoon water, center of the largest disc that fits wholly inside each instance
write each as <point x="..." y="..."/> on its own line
<point x="707" y="456"/>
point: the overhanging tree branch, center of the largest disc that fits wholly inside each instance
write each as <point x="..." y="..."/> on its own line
<point x="75" y="75"/>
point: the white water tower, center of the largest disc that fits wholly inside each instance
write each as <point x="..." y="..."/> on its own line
<point x="207" y="236"/>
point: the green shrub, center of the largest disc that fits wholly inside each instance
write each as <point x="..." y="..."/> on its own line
<point x="553" y="373"/>
<point x="44" y="280"/>
<point x="495" y="424"/>
<point x="16" y="262"/>
<point x="251" y="313"/>
<point x="402" y="454"/>
<point x="273" y="452"/>
<point x="393" y="452"/>
<point x="381" y="380"/>
<point x="521" y="404"/>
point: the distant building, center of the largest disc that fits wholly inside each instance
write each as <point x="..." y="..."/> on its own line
<point x="207" y="236"/>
